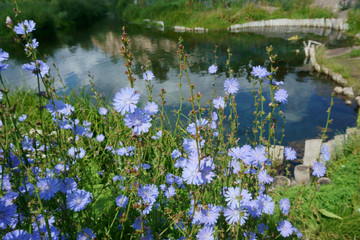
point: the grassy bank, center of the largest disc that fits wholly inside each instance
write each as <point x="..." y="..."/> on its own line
<point x="348" y="65"/>
<point x="332" y="211"/>
<point x="213" y="17"/>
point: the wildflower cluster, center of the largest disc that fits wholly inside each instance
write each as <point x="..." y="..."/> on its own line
<point x="120" y="174"/>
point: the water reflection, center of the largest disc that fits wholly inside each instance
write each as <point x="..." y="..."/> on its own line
<point x="98" y="50"/>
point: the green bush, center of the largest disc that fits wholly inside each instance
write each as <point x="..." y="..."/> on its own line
<point x="50" y="15"/>
<point x="80" y="12"/>
<point x="40" y="11"/>
<point x="354" y="20"/>
<point x="355" y="53"/>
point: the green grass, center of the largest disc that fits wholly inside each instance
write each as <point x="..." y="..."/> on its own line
<point x="177" y="13"/>
<point x="355" y="53"/>
<point x="311" y="208"/>
<point x="354" y="21"/>
<point x="347" y="65"/>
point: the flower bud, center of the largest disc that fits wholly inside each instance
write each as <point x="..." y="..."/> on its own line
<point x="8" y="21"/>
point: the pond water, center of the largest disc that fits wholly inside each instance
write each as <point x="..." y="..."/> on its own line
<point x="97" y="49"/>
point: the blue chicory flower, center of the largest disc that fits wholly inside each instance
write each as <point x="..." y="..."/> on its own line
<point x="231" y="85"/>
<point x="319" y="169"/>
<point x="205" y="233"/>
<point x="138" y="121"/>
<point x="39" y="67"/>
<point x="122" y="201"/>
<point x="281" y="96"/>
<point x="325" y="152"/>
<point x="148" y="75"/>
<point x="100" y="137"/>
<point x="26" y="26"/>
<point x="290" y="153"/>
<point x="85" y="234"/>
<point x="103" y="111"/>
<point x="48" y="187"/>
<point x="260" y="72"/>
<point x="17" y="234"/>
<point x="284" y="205"/>
<point x="213" y="69"/>
<point x="7" y="214"/>
<point x="219" y="103"/>
<point x="264" y="177"/>
<point x="78" y="200"/>
<point x="151" y="108"/>
<point x="125" y="101"/>
<point x="285" y="228"/>
<point x="148" y="193"/>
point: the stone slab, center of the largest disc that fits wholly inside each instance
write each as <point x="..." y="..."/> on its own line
<point x="302" y="174"/>
<point x="280" y="181"/>
<point x="323" y="181"/>
<point x="277" y="155"/>
<point x="352" y="132"/>
<point x="349" y="92"/>
<point x="340" y="140"/>
<point x="338" y="90"/>
<point x="312" y="151"/>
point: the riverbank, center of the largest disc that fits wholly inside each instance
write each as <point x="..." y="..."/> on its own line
<point x="341" y="61"/>
<point x="177" y="13"/>
<point x="215" y="18"/>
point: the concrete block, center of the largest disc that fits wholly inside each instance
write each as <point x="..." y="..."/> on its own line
<point x="358" y="100"/>
<point x="323" y="181"/>
<point x="280" y="181"/>
<point x="312" y="151"/>
<point x="352" y="132"/>
<point x="302" y="174"/>
<point x="277" y="155"/>
<point x="348" y="102"/>
<point x="349" y="92"/>
<point x="340" y="140"/>
<point x="199" y="29"/>
<point x="324" y="69"/>
<point x="338" y="90"/>
<point x="331" y="145"/>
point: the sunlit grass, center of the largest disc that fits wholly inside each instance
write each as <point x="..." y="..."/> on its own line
<point x="346" y="65"/>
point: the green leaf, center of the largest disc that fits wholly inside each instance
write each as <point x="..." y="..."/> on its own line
<point x="104" y="203"/>
<point x="329" y="214"/>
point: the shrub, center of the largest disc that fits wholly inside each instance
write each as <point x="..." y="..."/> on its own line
<point x="354" y="21"/>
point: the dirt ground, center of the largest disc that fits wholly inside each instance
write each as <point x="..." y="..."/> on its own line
<point x="339" y="51"/>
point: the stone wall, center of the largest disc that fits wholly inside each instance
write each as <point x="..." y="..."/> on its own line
<point x="333" y="23"/>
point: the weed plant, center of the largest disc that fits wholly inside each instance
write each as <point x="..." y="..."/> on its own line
<point x="75" y="170"/>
